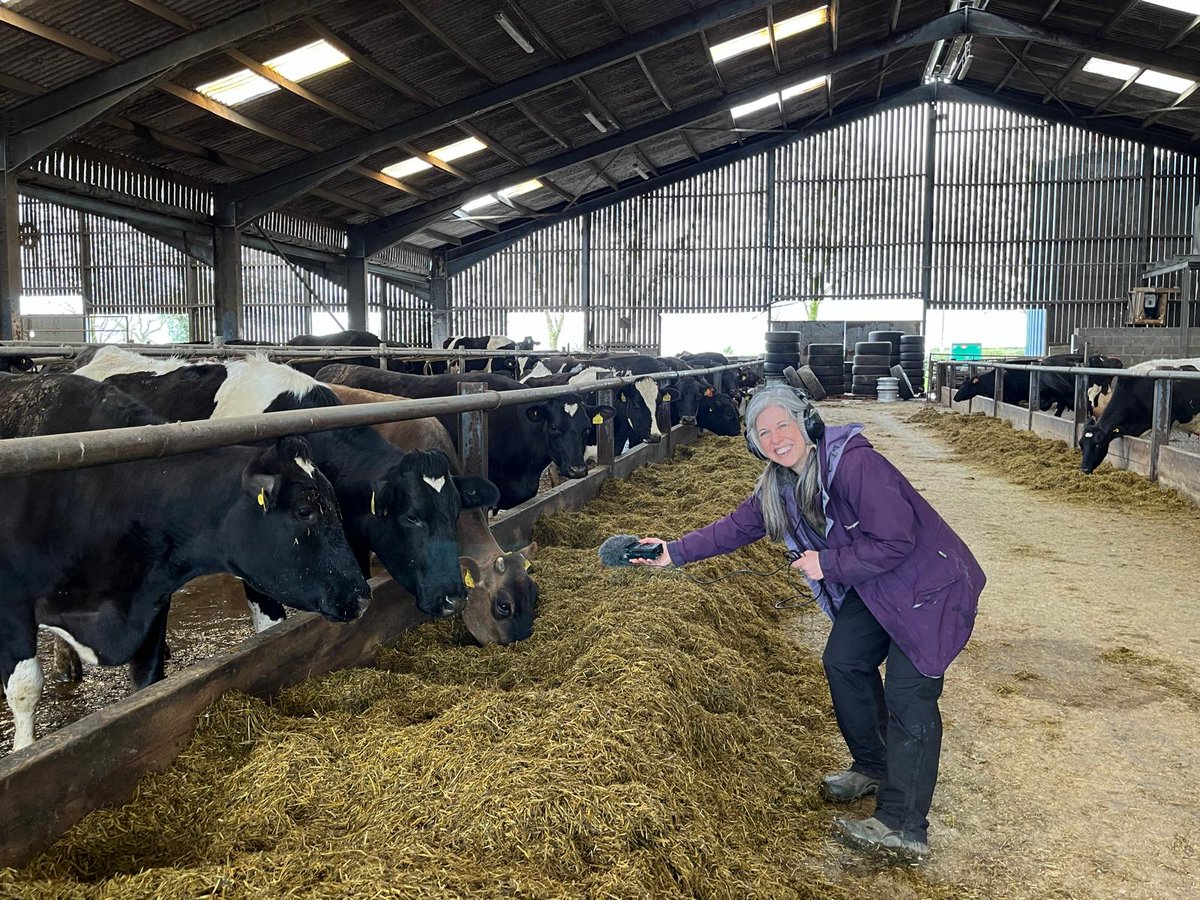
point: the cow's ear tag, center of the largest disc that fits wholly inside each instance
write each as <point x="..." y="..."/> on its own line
<point x="1116" y="431"/>
<point x="468" y="580"/>
<point x="666" y="398"/>
<point x="372" y="503"/>
<point x="262" y="498"/>
<point x="528" y="564"/>
<point x="597" y="419"/>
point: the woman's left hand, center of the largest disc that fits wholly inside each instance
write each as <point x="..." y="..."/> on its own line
<point x="810" y="564"/>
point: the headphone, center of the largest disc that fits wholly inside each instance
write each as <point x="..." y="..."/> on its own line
<point x="813" y="424"/>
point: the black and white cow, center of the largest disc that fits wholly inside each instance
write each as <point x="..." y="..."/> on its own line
<point x="13" y="365"/>
<point x="500" y="365"/>
<point x="715" y="411"/>
<point x="523" y="439"/>
<point x="401" y="505"/>
<point x="1055" y="389"/>
<point x="744" y="378"/>
<point x="101" y="580"/>
<point x="1130" y="411"/>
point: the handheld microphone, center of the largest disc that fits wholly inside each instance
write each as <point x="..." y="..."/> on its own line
<point x="619" y="549"/>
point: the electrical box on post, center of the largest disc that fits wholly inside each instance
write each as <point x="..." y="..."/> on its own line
<point x="1148" y="305"/>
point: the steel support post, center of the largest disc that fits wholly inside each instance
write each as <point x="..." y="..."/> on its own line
<point x="1035" y="396"/>
<point x="1080" y="411"/>
<point x="473" y="434"/>
<point x="10" y="252"/>
<point x="585" y="278"/>
<point x="1185" y="309"/>
<point x="606" y="432"/>
<point x="997" y="392"/>
<point x="227" y="282"/>
<point x="439" y="297"/>
<point x="930" y="183"/>
<point x="1160" y="429"/>
<point x="357" y="287"/>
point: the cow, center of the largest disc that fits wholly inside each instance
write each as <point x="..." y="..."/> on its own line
<point x="715" y="411"/>
<point x="523" y="439"/>
<point x="1055" y="389"/>
<point x="635" y="419"/>
<point x="12" y="365"/>
<point x="102" y="581"/>
<point x="501" y="365"/>
<point x="502" y="597"/>
<point x="734" y="382"/>
<point x="1130" y="411"/>
<point x="401" y="505"/>
<point x="60" y="403"/>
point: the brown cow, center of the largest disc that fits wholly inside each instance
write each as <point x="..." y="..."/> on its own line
<point x="500" y="605"/>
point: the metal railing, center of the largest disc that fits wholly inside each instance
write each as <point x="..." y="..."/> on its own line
<point x="1163" y="379"/>
<point x="49" y="453"/>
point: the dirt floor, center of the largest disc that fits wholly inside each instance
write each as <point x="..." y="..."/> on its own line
<point x="1072" y="719"/>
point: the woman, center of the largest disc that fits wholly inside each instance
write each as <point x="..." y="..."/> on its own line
<point x="897" y="582"/>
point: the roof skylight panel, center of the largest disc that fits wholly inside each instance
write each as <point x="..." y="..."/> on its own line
<point x="411" y="166"/>
<point x="1191" y="7"/>
<point x="787" y="93"/>
<point x="1172" y="84"/>
<point x="761" y="38"/>
<point x="518" y="189"/>
<point x="295" y="65"/>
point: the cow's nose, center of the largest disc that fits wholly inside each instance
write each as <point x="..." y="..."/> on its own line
<point x="452" y="605"/>
<point x="577" y="471"/>
<point x="688" y="420"/>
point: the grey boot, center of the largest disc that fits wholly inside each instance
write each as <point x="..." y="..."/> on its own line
<point x="871" y="834"/>
<point x="846" y="786"/>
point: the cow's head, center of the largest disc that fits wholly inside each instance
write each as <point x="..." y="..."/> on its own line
<point x="1093" y="444"/>
<point x="501" y="599"/>
<point x="565" y="424"/>
<point x="719" y="414"/>
<point x="639" y="404"/>
<point x="968" y="389"/>
<point x="285" y="537"/>
<point x="413" y="526"/>
<point x="747" y="377"/>
<point x="16" y="364"/>
<point x="691" y="391"/>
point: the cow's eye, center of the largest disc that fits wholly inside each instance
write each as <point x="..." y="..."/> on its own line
<point x="503" y="608"/>
<point x="305" y="513"/>
<point x="413" y="520"/>
<point x="554" y="429"/>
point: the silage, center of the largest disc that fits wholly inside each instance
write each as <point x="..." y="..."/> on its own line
<point x="1049" y="466"/>
<point x="654" y="738"/>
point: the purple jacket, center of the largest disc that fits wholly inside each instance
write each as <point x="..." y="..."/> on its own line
<point x="884" y="540"/>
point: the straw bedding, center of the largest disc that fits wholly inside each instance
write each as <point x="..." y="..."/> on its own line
<point x="654" y="738"/>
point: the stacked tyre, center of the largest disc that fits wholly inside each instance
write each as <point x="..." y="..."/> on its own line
<point x="827" y="362"/>
<point x="893" y="338"/>
<point x="783" y="350"/>
<point x="872" y="360"/>
<point x="912" y="360"/>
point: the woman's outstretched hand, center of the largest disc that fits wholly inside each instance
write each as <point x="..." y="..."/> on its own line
<point x="809" y="563"/>
<point x="662" y="560"/>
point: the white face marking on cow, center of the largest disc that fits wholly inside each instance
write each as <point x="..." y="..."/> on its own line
<point x="1087" y="434"/>
<point x="23" y="690"/>
<point x="570" y="409"/>
<point x="306" y="465"/>
<point x="538" y="371"/>
<point x="647" y="389"/>
<point x="254" y="383"/>
<point x="259" y="618"/>
<point x="86" y="654"/>
<point x="587" y="376"/>
<point x="436" y="483"/>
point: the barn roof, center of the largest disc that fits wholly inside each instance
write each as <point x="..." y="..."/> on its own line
<point x="460" y="124"/>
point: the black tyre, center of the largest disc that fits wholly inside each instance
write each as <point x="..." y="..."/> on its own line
<point x="876" y="347"/>
<point x="908" y="340"/>
<point x="811" y="383"/>
<point x="912" y="357"/>
<point x="872" y="380"/>
<point x="783" y="337"/>
<point x="872" y="359"/>
<point x="824" y="371"/>
<point x="892" y="337"/>
<point x="782" y="358"/>
<point x="862" y="390"/>
<point x="873" y="371"/>
<point x="825" y="359"/>
<point x="907" y="391"/>
<point x="836" y="349"/>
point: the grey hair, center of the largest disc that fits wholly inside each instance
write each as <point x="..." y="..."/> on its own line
<point x="775" y="476"/>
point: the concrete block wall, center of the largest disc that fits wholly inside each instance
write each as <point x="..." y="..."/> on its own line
<point x="1134" y="345"/>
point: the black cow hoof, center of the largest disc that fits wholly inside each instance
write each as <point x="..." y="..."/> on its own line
<point x="67" y="667"/>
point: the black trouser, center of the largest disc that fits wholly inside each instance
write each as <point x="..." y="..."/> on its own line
<point x="894" y="732"/>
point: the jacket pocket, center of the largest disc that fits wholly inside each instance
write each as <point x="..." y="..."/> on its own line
<point x="938" y="578"/>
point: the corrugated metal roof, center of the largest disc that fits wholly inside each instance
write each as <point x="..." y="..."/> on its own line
<point x="395" y="40"/>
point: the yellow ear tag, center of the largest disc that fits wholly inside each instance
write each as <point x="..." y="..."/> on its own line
<point x="262" y="497"/>
<point x="468" y="580"/>
<point x="528" y="564"/>
<point x="372" y="503"/>
<point x="666" y="398"/>
<point x="597" y="419"/>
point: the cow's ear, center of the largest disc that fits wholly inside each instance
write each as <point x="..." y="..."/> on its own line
<point x="262" y="486"/>
<point x="536" y="413"/>
<point x="669" y="394"/>
<point x="476" y="492"/>
<point x="381" y="498"/>
<point x="471" y="575"/>
<point x="599" y="414"/>
<point x="529" y="551"/>
<point x="975" y="380"/>
<point x="621" y="396"/>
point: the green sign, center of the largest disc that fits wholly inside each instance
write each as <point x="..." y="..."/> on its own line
<point x="966" y="351"/>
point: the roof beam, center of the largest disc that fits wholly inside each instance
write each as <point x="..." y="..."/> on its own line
<point x="257" y="194"/>
<point x="100" y="91"/>
<point x="383" y="232"/>
<point x="1182" y="33"/>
